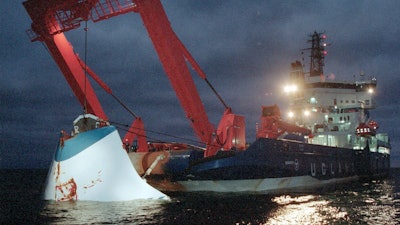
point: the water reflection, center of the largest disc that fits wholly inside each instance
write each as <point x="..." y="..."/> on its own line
<point x="373" y="202"/>
<point x="89" y="212"/>
<point x="309" y="209"/>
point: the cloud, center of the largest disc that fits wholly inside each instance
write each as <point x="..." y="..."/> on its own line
<point x="245" y="48"/>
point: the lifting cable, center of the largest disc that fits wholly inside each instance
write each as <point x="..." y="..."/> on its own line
<point x="197" y="68"/>
<point x="124" y="128"/>
<point x="105" y="87"/>
<point x="123" y="105"/>
<point x="84" y="90"/>
<point x="126" y="107"/>
<point x="98" y="80"/>
<point x="216" y="93"/>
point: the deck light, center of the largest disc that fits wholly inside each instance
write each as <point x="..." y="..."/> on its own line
<point x="290" y="88"/>
<point x="290" y="114"/>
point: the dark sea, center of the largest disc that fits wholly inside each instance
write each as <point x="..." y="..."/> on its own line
<point x="364" y="202"/>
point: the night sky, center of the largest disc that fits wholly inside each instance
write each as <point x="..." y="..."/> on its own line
<point x="244" y="47"/>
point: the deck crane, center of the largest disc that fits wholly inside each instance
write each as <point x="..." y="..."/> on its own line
<point x="50" y="19"/>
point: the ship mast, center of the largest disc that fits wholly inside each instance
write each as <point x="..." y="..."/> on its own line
<point x="318" y="53"/>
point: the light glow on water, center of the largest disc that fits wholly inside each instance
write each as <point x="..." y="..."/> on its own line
<point x="307" y="209"/>
<point x="370" y="202"/>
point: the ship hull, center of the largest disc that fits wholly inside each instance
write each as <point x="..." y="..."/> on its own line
<point x="298" y="184"/>
<point x="267" y="166"/>
<point x="93" y="166"/>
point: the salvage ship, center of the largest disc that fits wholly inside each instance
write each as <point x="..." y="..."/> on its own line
<point x="327" y="138"/>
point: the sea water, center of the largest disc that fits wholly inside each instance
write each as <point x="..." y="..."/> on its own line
<point x="364" y="202"/>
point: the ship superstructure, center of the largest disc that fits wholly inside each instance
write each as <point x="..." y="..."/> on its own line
<point x="337" y="112"/>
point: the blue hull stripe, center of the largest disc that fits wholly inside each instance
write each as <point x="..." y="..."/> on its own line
<point x="270" y="158"/>
<point x="80" y="142"/>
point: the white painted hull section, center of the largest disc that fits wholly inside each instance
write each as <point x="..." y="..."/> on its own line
<point x="101" y="172"/>
<point x="268" y="185"/>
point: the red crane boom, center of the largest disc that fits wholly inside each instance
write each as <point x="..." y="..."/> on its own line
<point x="52" y="18"/>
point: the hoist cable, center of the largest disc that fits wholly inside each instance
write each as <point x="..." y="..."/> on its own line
<point x="85" y="60"/>
<point x="124" y="127"/>
<point x="216" y="93"/>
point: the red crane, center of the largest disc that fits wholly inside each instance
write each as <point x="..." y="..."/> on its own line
<point x="272" y="126"/>
<point x="50" y="19"/>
